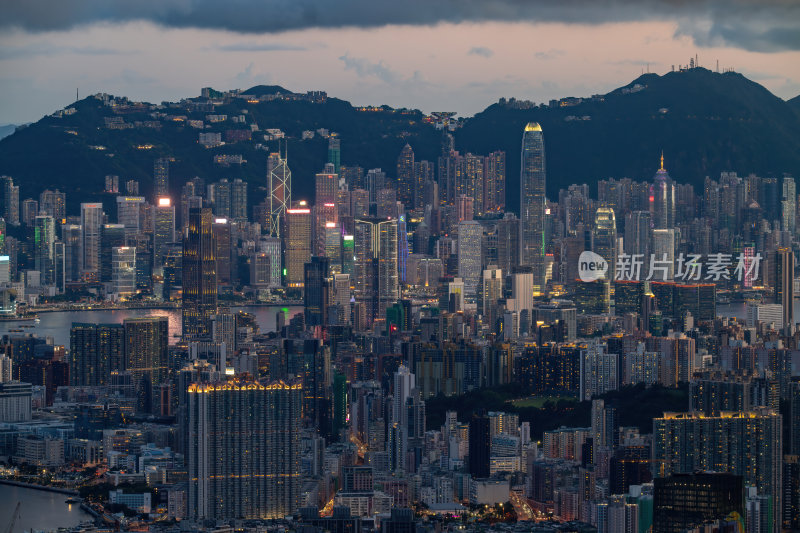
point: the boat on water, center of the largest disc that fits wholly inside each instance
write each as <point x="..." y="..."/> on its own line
<point x="73" y="499"/>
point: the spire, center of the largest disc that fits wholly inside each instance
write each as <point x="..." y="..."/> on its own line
<point x="662" y="159"/>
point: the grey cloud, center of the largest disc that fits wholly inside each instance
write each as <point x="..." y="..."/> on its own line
<point x="762" y="25"/>
<point x="49" y="49"/>
<point x="480" y="51"/>
<point x="365" y="68"/>
<point x="260" y="47"/>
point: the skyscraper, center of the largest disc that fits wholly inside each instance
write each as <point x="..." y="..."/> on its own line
<point x="662" y="199"/>
<point x="532" y="202"/>
<point x="95" y="350"/>
<point x="91" y="222"/>
<point x="239" y="200"/>
<point x="604" y="238"/>
<point x="637" y="234"/>
<point x="163" y="230"/>
<point x="279" y="182"/>
<point x="470" y="239"/>
<point x="335" y="152"/>
<point x="747" y="444"/>
<point x="789" y="206"/>
<point x="376" y="274"/>
<point x="663" y="250"/>
<point x="315" y="296"/>
<point x="44" y="249"/>
<point x="53" y="203"/>
<point x="161" y="177"/>
<point x="129" y="211"/>
<point x="112" y="236"/>
<point x="123" y="270"/>
<point x="146" y="349"/>
<point x="244" y="449"/>
<point x="297" y="243"/>
<point x="784" y="284"/>
<point x="405" y="176"/>
<point x="199" y="275"/>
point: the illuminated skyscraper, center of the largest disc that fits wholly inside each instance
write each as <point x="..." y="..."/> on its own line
<point x="199" y="274"/>
<point x="123" y="270"/>
<point x="44" y="248"/>
<point x="604" y="238"/>
<point x="532" y="202"/>
<point x="244" y="450"/>
<point x="376" y="274"/>
<point x="297" y="243"/>
<point x="129" y="211"/>
<point x="163" y="230"/>
<point x="662" y="199"/>
<point x="279" y="182"/>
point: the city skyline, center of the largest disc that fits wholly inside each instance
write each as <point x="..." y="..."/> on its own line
<point x="274" y="310"/>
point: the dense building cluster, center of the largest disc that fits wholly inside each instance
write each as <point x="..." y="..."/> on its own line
<point x="416" y="286"/>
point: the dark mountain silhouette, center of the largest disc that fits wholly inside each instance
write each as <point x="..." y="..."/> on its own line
<point x="704" y="122"/>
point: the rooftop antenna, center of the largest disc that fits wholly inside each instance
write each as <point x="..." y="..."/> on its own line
<point x="76" y="95"/>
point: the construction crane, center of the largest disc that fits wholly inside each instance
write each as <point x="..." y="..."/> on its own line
<point x="14" y="516"/>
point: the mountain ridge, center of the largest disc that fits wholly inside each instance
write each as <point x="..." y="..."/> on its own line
<point x="704" y="122"/>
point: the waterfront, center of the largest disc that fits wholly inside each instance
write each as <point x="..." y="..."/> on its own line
<point x="40" y="509"/>
<point x="56" y="324"/>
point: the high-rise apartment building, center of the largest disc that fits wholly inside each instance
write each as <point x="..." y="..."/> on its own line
<point x="244" y="449"/>
<point x="146" y="357"/>
<point x="747" y="444"/>
<point x="95" y="350"/>
<point x="470" y="241"/>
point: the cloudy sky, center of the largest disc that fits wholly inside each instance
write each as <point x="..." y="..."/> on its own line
<point x="455" y="55"/>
